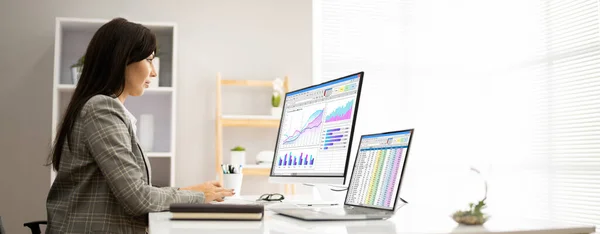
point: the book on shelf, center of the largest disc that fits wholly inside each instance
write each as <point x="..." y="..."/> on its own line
<point x="184" y="211"/>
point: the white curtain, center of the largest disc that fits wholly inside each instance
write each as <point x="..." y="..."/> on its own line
<point x="510" y="87"/>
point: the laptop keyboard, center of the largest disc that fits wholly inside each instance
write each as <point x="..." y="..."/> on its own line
<point x="345" y="212"/>
<point x="352" y="211"/>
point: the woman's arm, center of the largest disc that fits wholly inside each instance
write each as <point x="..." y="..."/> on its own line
<point x="109" y="142"/>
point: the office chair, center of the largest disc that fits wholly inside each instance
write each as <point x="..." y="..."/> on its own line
<point x="35" y="226"/>
<point x="2" y="231"/>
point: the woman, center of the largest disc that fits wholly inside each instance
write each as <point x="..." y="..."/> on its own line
<point x="102" y="183"/>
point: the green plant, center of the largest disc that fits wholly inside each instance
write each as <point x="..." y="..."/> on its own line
<point x="275" y="99"/>
<point x="277" y="92"/>
<point x="474" y="215"/>
<point x="157" y="53"/>
<point x="79" y="63"/>
<point x="238" y="148"/>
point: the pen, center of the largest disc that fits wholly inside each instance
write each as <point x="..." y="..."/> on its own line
<point x="223" y="168"/>
<point x="231" y="169"/>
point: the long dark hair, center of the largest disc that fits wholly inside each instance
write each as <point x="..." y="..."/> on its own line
<point x="115" y="45"/>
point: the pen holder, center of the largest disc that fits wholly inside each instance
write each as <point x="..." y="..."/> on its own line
<point x="233" y="181"/>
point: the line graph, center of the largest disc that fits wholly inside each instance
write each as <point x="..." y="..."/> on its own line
<point x="303" y="128"/>
<point x="339" y="110"/>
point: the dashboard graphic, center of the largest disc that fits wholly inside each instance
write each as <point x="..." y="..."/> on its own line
<point x="339" y="112"/>
<point x="298" y="159"/>
<point x="316" y="129"/>
<point x="300" y="130"/>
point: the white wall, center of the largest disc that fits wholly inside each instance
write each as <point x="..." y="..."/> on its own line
<point x="259" y="39"/>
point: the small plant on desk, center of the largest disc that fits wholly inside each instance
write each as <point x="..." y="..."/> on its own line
<point x="238" y="148"/>
<point x="238" y="155"/>
<point x="474" y="215"/>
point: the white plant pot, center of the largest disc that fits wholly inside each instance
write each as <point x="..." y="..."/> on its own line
<point x="276" y="111"/>
<point x="238" y="157"/>
<point x="156" y="64"/>
<point x="75" y="75"/>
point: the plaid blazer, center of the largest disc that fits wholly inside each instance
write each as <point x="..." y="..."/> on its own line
<point x="103" y="181"/>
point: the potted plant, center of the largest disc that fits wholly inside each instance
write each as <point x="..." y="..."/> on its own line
<point x="76" y="70"/>
<point x="238" y="155"/>
<point x="474" y="215"/>
<point x="276" y="107"/>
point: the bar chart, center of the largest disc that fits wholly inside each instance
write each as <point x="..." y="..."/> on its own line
<point x="297" y="159"/>
<point x="335" y="138"/>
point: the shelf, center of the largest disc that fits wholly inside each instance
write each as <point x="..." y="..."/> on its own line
<point x="74" y="34"/>
<point x="250" y="121"/>
<point x="159" y="154"/>
<point x="90" y="24"/>
<point x="66" y="87"/>
<point x="71" y="88"/>
<point x="255" y="83"/>
<point x="256" y="170"/>
<point x="254" y="117"/>
<point x="71" y="40"/>
<point x="264" y="121"/>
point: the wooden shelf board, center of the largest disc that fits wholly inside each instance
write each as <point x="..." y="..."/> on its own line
<point x="254" y="166"/>
<point x="265" y="117"/>
<point x="255" y="83"/>
<point x="256" y="170"/>
<point x="249" y="121"/>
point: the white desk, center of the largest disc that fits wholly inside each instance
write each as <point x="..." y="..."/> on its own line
<point x="408" y="219"/>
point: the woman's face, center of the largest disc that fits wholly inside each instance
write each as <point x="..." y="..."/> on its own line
<point x="137" y="76"/>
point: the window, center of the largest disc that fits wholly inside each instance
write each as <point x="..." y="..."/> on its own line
<point x="510" y="87"/>
<point x="568" y="121"/>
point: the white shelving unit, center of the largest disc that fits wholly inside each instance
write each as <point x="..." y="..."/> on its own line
<point x="72" y="36"/>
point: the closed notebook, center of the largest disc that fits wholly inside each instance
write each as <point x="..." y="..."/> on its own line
<point x="182" y="211"/>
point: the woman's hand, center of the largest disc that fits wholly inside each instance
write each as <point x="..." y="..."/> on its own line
<point x="213" y="191"/>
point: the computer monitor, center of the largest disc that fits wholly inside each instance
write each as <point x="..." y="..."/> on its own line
<point x="315" y="132"/>
<point x="378" y="169"/>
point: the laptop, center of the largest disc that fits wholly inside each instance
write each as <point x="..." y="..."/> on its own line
<point x="374" y="187"/>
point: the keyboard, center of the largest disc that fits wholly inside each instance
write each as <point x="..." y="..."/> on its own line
<point x="337" y="211"/>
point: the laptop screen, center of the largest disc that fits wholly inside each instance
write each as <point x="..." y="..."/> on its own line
<point x="378" y="169"/>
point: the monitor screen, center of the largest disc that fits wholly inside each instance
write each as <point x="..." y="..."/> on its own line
<point x="378" y="170"/>
<point x="316" y="129"/>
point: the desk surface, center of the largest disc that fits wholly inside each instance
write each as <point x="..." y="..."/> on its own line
<point x="406" y="220"/>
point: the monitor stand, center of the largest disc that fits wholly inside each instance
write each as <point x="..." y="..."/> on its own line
<point x="400" y="202"/>
<point x="323" y="195"/>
